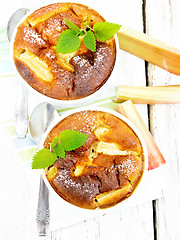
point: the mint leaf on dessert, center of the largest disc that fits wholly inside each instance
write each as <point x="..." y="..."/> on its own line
<point x="105" y="30"/>
<point x="68" y="42"/>
<point x="43" y="158"/>
<point x="54" y="142"/>
<point x="90" y="41"/>
<point x="71" y="139"/>
<point x="59" y="150"/>
<point x="68" y="140"/>
<point x="72" y="26"/>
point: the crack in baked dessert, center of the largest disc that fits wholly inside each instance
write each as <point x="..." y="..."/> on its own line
<point x="61" y="76"/>
<point x="105" y="170"/>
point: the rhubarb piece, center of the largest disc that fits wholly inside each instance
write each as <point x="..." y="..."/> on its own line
<point x="149" y="49"/>
<point x="109" y="197"/>
<point x="39" y="67"/>
<point x="39" y="16"/>
<point x="149" y="95"/>
<point x="155" y="157"/>
<point x="111" y="149"/>
<point x="64" y="60"/>
<point x="51" y="173"/>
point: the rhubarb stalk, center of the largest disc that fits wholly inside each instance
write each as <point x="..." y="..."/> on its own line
<point x="149" y="49"/>
<point x="149" y="95"/>
<point x="155" y="157"/>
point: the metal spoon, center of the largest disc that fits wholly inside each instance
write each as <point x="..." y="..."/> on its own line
<point x="41" y="118"/>
<point x="14" y="20"/>
<point x="21" y="107"/>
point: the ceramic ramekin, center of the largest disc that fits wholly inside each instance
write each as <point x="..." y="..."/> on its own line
<point x="58" y="104"/>
<point x="129" y="123"/>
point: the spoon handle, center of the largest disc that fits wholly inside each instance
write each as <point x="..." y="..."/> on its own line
<point x="21" y="111"/>
<point x="43" y="212"/>
<point x="149" y="49"/>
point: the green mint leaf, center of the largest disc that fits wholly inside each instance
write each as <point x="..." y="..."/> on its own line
<point x="68" y="42"/>
<point x="71" y="139"/>
<point x="54" y="142"/>
<point x="72" y="26"/>
<point x="105" y="30"/>
<point x="90" y="41"/>
<point x="43" y="158"/>
<point x="59" y="150"/>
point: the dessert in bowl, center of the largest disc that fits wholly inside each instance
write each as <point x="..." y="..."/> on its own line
<point x="106" y="169"/>
<point x="63" y="78"/>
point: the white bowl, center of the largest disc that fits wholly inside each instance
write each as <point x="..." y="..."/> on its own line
<point x="58" y="104"/>
<point x="130" y="124"/>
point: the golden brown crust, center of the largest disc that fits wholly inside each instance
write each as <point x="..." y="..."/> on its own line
<point x="70" y="76"/>
<point x="90" y="178"/>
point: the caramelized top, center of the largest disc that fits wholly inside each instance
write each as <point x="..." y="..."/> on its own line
<point x="61" y="76"/>
<point x="105" y="170"/>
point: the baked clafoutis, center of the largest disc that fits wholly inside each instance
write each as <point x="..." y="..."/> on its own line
<point x="60" y="76"/>
<point x="106" y="169"/>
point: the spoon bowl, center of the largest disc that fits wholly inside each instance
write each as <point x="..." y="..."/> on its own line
<point x="14" y="20"/>
<point x="43" y="115"/>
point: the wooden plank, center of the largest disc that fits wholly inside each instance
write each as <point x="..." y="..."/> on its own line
<point x="162" y="22"/>
<point x="123" y="225"/>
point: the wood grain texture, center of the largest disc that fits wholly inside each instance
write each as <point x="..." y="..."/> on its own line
<point x="162" y="18"/>
<point x="123" y="225"/>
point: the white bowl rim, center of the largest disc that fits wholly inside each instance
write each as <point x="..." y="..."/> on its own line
<point x="120" y="116"/>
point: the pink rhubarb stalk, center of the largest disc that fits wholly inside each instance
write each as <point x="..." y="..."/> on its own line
<point x="155" y="157"/>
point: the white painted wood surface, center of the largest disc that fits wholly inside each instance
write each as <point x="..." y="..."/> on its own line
<point x="162" y="21"/>
<point x="143" y="221"/>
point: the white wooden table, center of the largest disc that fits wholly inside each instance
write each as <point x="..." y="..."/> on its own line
<point x="158" y="219"/>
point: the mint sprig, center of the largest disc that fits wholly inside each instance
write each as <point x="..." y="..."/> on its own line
<point x="68" y="140"/>
<point x="69" y="40"/>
